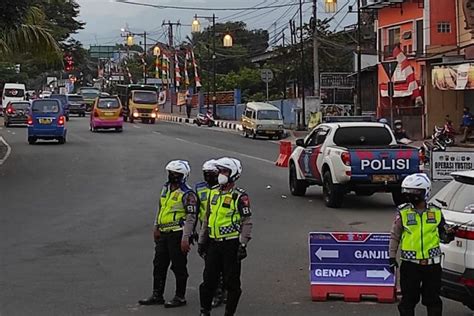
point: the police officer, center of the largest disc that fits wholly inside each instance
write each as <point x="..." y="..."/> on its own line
<point x="174" y="225"/>
<point x="418" y="230"/>
<point x="203" y="189"/>
<point x="224" y="236"/>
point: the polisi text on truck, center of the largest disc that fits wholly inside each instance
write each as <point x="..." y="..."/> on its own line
<point x="393" y="164"/>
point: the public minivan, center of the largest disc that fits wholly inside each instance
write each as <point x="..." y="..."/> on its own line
<point x="262" y="119"/>
<point x="12" y="92"/>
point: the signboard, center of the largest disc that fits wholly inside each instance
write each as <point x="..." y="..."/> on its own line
<point x="390" y="68"/>
<point x="350" y="258"/>
<point x="102" y="51"/>
<point x="453" y="77"/>
<point x="266" y="75"/>
<point x="443" y="163"/>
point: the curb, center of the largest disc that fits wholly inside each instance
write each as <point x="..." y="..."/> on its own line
<point x="219" y="123"/>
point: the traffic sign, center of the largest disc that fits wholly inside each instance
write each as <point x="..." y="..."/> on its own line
<point x="266" y="75"/>
<point x="390" y="68"/>
<point x="355" y="258"/>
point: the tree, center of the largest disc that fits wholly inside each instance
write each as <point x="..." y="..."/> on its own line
<point x="22" y="29"/>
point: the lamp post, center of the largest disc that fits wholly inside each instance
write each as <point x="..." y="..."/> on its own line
<point x="196" y="27"/>
<point x="129" y="37"/>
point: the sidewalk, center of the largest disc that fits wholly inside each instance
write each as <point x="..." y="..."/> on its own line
<point x="178" y="114"/>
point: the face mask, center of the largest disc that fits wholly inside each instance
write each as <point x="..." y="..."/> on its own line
<point x="414" y="199"/>
<point x="210" y="178"/>
<point x="398" y="126"/>
<point x="222" y="179"/>
<point x="174" y="179"/>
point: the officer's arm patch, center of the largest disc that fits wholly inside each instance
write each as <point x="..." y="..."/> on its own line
<point x="190" y="202"/>
<point x="244" y="205"/>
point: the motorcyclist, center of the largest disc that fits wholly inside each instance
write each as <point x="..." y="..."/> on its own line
<point x="398" y="130"/>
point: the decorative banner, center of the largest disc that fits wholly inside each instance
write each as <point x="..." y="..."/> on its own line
<point x="409" y="74"/>
<point x="157" y="66"/>
<point x="177" y="72"/>
<point x="186" y="75"/>
<point x="196" y="76"/>
<point x="453" y="77"/>
<point x="443" y="163"/>
<point x="165" y="68"/>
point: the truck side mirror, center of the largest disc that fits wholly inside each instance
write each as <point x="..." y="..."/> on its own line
<point x="300" y="142"/>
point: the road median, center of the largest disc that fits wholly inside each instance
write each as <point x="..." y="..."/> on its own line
<point x="232" y="125"/>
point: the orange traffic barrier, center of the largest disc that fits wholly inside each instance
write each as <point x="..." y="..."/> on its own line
<point x="285" y="153"/>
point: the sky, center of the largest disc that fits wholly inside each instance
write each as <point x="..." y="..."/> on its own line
<point x="105" y="18"/>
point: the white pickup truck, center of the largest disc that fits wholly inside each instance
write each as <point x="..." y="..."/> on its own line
<point x="360" y="157"/>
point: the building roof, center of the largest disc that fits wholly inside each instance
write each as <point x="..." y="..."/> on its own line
<point x="379" y="4"/>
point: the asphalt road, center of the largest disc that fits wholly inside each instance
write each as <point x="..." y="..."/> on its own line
<point x="76" y="224"/>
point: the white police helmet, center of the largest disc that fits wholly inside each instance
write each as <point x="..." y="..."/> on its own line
<point x="210" y="165"/>
<point x="179" y="166"/>
<point x="231" y="164"/>
<point x="417" y="183"/>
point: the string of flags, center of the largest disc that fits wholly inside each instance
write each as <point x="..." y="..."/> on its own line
<point x="162" y="69"/>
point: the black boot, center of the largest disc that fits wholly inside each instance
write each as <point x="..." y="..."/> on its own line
<point x="205" y="313"/>
<point x="155" y="299"/>
<point x="175" y="302"/>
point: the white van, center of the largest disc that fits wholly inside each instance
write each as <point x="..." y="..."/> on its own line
<point x="262" y="119"/>
<point x="12" y="92"/>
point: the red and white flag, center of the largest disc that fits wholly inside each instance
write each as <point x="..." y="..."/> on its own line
<point x="177" y="71"/>
<point x="196" y="75"/>
<point x="408" y="72"/>
<point x="186" y="75"/>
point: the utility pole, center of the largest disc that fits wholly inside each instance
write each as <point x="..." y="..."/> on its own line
<point x="144" y="57"/>
<point x="214" y="83"/>
<point x="303" y="103"/>
<point x="315" y="49"/>
<point x="358" y="110"/>
<point x="172" y="65"/>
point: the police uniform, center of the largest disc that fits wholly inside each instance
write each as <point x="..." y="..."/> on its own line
<point x="226" y="227"/>
<point x="175" y="219"/>
<point x="418" y="233"/>
<point x="202" y="191"/>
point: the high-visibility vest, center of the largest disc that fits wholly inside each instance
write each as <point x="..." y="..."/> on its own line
<point x="172" y="214"/>
<point x="224" y="216"/>
<point x="420" y="238"/>
<point x="203" y="191"/>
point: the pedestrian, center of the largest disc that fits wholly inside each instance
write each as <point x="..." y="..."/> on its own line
<point x="418" y="229"/>
<point x="467" y="124"/>
<point x="224" y="236"/>
<point x="203" y="189"/>
<point x="174" y="225"/>
<point x="189" y="104"/>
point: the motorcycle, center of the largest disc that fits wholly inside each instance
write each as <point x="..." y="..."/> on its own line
<point x="205" y="119"/>
<point x="439" y="142"/>
<point x="448" y="133"/>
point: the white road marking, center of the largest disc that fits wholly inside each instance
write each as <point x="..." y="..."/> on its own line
<point x="225" y="150"/>
<point x="9" y="150"/>
<point x="157" y="133"/>
<point x="136" y="126"/>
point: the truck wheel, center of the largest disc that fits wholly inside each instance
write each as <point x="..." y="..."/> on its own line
<point x="297" y="187"/>
<point x="332" y="193"/>
<point x="131" y="119"/>
<point x="254" y="134"/>
<point x="398" y="197"/>
<point x="152" y="121"/>
<point x="246" y="135"/>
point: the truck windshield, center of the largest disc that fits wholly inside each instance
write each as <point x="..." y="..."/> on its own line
<point x="109" y="103"/>
<point x="146" y="97"/>
<point x="75" y="98"/>
<point x="362" y="136"/>
<point x="269" y="115"/>
<point x="45" y="106"/>
<point x="90" y="93"/>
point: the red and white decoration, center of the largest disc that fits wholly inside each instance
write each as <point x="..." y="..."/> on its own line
<point x="177" y="72"/>
<point x="196" y="75"/>
<point x="404" y="89"/>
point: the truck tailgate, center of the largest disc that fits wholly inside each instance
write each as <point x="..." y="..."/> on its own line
<point x="399" y="161"/>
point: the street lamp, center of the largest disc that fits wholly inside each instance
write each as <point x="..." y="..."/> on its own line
<point x="196" y="27"/>
<point x="228" y="40"/>
<point x="156" y="51"/>
<point x="330" y="6"/>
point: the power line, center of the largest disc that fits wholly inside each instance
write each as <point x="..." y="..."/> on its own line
<point x="160" y="6"/>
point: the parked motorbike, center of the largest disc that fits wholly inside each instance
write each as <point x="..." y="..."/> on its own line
<point x="448" y="133"/>
<point x="439" y="142"/>
<point x="205" y="119"/>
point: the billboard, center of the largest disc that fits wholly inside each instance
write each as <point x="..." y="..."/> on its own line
<point x="453" y="77"/>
